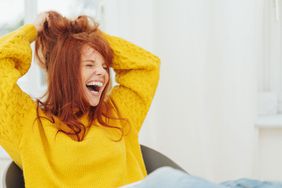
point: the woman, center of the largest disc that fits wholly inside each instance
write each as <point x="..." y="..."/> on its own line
<point x="82" y="133"/>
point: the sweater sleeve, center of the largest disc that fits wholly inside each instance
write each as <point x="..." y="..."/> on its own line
<point x="15" y="105"/>
<point x="137" y="75"/>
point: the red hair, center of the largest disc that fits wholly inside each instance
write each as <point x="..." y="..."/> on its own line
<point x="58" y="49"/>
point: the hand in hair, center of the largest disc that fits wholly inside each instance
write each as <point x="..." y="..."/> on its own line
<point x="39" y="21"/>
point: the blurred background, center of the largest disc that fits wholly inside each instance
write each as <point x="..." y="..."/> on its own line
<point x="217" y="110"/>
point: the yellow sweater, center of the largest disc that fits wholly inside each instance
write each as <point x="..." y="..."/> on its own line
<point x="97" y="161"/>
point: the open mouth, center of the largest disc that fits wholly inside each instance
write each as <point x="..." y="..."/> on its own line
<point x="95" y="87"/>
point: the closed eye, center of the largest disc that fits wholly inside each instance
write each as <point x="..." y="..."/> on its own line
<point x="105" y="67"/>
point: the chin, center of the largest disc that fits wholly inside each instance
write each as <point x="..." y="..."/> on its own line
<point x="93" y="103"/>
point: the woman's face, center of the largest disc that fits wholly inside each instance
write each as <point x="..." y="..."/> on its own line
<point x="94" y="74"/>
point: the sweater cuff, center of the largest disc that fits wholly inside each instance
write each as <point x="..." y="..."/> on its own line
<point x="29" y="32"/>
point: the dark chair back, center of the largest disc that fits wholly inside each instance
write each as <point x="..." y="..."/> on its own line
<point x="154" y="160"/>
<point x="13" y="177"/>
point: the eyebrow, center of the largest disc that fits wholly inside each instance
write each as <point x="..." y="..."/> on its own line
<point x="86" y="60"/>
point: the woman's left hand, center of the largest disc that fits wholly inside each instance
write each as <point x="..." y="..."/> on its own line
<point x="39" y="21"/>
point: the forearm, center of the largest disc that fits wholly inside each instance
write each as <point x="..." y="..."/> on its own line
<point x="16" y="47"/>
<point x="129" y="56"/>
<point x="15" y="59"/>
<point x="137" y="75"/>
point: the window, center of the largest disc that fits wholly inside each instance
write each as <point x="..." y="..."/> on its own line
<point x="10" y="19"/>
<point x="270" y="68"/>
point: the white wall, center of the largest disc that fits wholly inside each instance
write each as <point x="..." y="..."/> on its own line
<point x="213" y="63"/>
<point x="269" y="154"/>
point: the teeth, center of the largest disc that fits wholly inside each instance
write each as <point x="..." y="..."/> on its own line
<point x="99" y="84"/>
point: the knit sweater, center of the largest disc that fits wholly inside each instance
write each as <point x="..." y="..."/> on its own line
<point x="97" y="160"/>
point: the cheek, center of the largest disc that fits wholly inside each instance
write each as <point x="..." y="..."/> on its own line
<point x="107" y="76"/>
<point x="85" y="74"/>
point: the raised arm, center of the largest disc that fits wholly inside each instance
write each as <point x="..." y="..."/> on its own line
<point x="15" y="105"/>
<point x="137" y="75"/>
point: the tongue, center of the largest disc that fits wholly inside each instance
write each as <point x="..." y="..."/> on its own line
<point x="93" y="88"/>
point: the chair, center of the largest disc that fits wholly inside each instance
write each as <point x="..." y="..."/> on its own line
<point x="154" y="160"/>
<point x="13" y="176"/>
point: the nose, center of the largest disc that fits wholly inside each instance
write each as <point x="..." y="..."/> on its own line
<point x="100" y="70"/>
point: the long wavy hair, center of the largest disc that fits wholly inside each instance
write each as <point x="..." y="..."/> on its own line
<point x="58" y="50"/>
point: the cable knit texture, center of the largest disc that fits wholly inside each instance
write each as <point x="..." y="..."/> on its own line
<point x="50" y="160"/>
